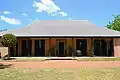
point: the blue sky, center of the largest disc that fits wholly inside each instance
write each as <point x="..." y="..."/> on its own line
<point x="20" y="13"/>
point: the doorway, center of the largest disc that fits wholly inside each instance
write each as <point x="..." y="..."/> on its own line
<point x="111" y="48"/>
<point x="97" y="47"/>
<point x="104" y="48"/>
<point x="81" y="44"/>
<point x="100" y="48"/>
<point x="61" y="49"/>
<point x="40" y="48"/>
<point x="26" y="47"/>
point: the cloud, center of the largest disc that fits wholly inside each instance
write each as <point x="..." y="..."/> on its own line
<point x="10" y="20"/>
<point x="24" y="14"/>
<point x="63" y="14"/>
<point x="6" y="12"/>
<point x="47" y="6"/>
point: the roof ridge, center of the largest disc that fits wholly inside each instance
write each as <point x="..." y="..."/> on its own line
<point x="60" y="20"/>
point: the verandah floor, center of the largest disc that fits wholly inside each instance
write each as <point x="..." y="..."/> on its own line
<point x="74" y="57"/>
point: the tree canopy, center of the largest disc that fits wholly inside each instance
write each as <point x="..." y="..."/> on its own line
<point x="8" y="40"/>
<point x="115" y="24"/>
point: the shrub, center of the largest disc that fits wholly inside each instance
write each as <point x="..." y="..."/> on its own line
<point x="8" y="40"/>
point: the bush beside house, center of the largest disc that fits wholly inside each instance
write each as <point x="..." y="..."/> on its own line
<point x="8" y="41"/>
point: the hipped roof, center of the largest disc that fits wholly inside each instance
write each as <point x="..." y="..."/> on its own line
<point x="80" y="28"/>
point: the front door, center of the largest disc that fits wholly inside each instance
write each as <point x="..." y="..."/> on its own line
<point x="39" y="47"/>
<point x="61" y="51"/>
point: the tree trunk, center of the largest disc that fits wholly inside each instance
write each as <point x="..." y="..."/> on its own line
<point x="8" y="53"/>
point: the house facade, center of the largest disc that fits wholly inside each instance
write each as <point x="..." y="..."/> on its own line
<point x="65" y="38"/>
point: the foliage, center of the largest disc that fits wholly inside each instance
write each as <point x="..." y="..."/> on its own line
<point x="115" y="24"/>
<point x="8" y="40"/>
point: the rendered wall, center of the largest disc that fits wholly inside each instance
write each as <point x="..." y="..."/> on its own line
<point x="116" y="42"/>
<point x="3" y="51"/>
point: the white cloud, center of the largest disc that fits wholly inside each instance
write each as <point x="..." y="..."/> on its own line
<point x="6" y="12"/>
<point x="47" y="6"/>
<point x="24" y="14"/>
<point x="53" y="14"/>
<point x="63" y="14"/>
<point x="10" y="20"/>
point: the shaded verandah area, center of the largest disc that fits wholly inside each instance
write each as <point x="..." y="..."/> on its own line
<point x="64" y="47"/>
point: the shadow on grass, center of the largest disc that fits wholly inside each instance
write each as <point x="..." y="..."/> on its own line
<point x="9" y="58"/>
<point x="5" y="57"/>
<point x="2" y="66"/>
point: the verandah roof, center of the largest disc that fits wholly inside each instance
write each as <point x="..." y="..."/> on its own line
<point x="80" y="28"/>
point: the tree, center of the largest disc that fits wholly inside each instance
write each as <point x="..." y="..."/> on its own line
<point x="115" y="24"/>
<point x="8" y="40"/>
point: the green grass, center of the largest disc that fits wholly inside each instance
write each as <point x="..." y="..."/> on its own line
<point x="98" y="59"/>
<point x="60" y="74"/>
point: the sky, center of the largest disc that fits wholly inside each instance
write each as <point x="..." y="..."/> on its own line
<point x="20" y="13"/>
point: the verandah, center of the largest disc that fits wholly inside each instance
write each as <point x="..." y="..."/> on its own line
<point x="64" y="47"/>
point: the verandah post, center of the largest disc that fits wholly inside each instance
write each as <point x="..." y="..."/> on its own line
<point x="73" y="48"/>
<point x="49" y="52"/>
<point x="92" y="48"/>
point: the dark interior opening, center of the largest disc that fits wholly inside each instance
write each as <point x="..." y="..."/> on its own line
<point x="81" y="44"/>
<point x="97" y="48"/>
<point x="102" y="48"/>
<point x="61" y="50"/>
<point x="111" y="49"/>
<point x="29" y="47"/>
<point x="39" y="47"/>
<point x="26" y="47"/>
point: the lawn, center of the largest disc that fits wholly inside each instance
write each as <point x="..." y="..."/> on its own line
<point x="60" y="74"/>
